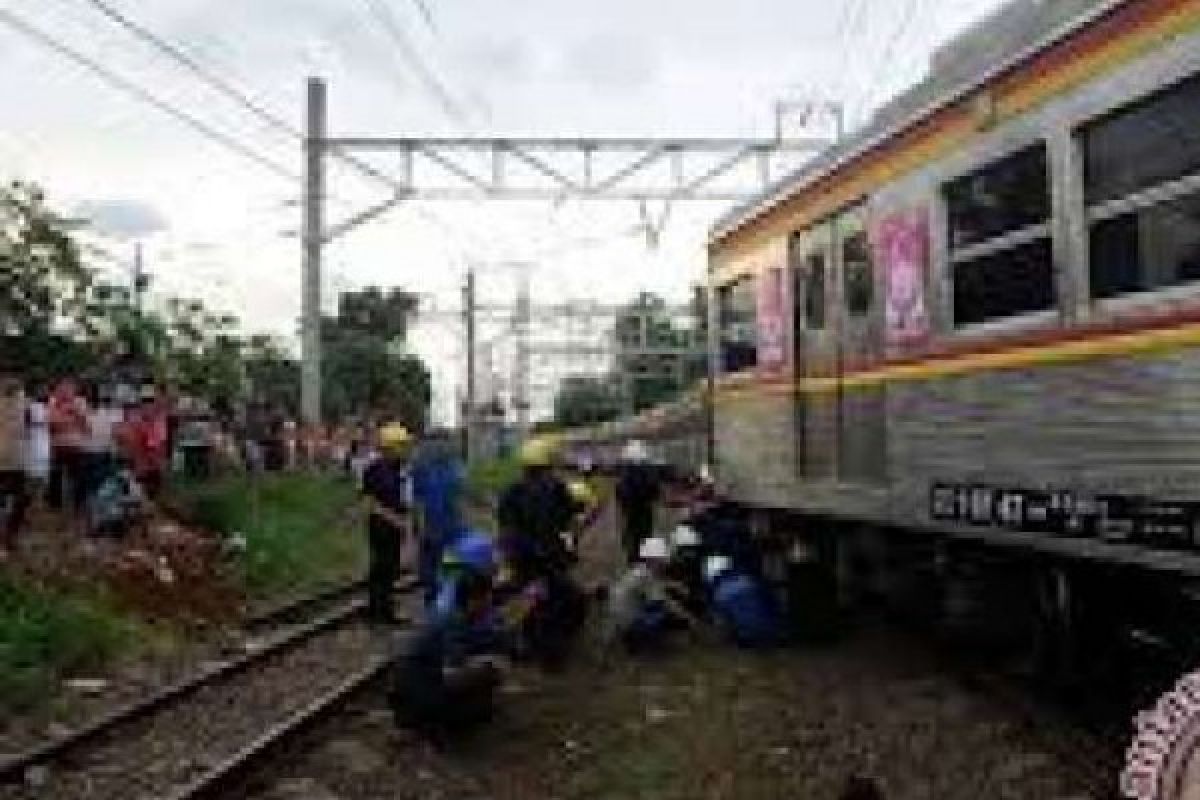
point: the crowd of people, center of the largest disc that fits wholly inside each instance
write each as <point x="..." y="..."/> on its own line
<point x="491" y="598"/>
<point x="96" y="453"/>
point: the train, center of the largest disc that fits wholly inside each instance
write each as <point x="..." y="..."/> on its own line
<point x="955" y="358"/>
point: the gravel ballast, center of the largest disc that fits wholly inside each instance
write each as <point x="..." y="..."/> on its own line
<point x="146" y="758"/>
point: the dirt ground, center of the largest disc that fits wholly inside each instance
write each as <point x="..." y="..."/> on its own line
<point x="706" y="721"/>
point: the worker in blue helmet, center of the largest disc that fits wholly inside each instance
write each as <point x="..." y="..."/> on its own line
<point x="741" y="604"/>
<point x="447" y="671"/>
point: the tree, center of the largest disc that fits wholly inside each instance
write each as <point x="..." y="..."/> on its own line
<point x="57" y="318"/>
<point x="585" y="400"/>
<point x="272" y="377"/>
<point x="43" y="287"/>
<point x="658" y="356"/>
<point x="365" y="371"/>
<point x="384" y="314"/>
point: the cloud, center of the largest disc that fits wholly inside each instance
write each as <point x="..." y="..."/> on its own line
<point x="500" y="60"/>
<point x="122" y="218"/>
<point x="612" y="61"/>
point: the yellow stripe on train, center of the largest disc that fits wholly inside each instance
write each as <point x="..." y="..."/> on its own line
<point x="1152" y="342"/>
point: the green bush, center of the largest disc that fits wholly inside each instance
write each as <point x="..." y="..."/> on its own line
<point x="486" y="479"/>
<point x="46" y="634"/>
<point x="296" y="527"/>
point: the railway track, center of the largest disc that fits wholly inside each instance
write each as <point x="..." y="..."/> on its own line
<point x="193" y="733"/>
<point x="1094" y="756"/>
<point x="223" y="777"/>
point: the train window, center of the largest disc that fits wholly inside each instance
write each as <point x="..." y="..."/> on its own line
<point x="1142" y="168"/>
<point x="1000" y="252"/>
<point x="737" y="307"/>
<point x="1012" y="281"/>
<point x="1154" y="247"/>
<point x="1005" y="196"/>
<point x="814" y="291"/>
<point x="1151" y="142"/>
<point x="856" y="273"/>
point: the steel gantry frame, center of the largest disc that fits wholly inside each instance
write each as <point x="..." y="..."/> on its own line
<point x="644" y="159"/>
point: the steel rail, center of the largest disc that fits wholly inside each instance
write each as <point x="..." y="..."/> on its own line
<point x="283" y="612"/>
<point x="288" y="611"/>
<point x="13" y="769"/>
<point x="218" y="781"/>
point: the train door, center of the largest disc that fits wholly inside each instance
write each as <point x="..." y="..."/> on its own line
<point x="859" y="409"/>
<point x="814" y="357"/>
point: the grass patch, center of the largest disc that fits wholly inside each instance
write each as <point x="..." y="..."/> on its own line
<point x="297" y="528"/>
<point x="486" y="479"/>
<point x="47" y="634"/>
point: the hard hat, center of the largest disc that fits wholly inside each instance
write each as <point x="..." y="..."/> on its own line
<point x="685" y="536"/>
<point x="654" y="548"/>
<point x="394" y="439"/>
<point x="472" y="551"/>
<point x="715" y="566"/>
<point x="635" y="451"/>
<point x="537" y="452"/>
<point x="582" y="493"/>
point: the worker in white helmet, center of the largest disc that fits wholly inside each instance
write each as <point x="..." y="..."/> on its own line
<point x="638" y="491"/>
<point x="642" y="608"/>
<point x="742" y="605"/>
<point x="687" y="567"/>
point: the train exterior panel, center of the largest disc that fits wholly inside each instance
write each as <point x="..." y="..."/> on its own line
<point x="989" y="298"/>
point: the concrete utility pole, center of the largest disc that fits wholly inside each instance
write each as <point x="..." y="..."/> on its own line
<point x="521" y="328"/>
<point x="311" y="233"/>
<point x="472" y="401"/>
<point x="695" y="166"/>
<point x="139" y="277"/>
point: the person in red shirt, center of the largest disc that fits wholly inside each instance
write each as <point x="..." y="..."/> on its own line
<point x="68" y="421"/>
<point x="143" y="439"/>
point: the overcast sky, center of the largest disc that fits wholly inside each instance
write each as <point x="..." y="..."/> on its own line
<point x="215" y="225"/>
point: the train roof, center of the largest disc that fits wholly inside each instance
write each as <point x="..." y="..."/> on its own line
<point x="999" y="42"/>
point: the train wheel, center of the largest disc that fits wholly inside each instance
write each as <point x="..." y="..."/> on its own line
<point x="1055" y="639"/>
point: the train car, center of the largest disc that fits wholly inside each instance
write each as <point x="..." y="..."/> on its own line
<point x="958" y="351"/>
<point x="673" y="432"/>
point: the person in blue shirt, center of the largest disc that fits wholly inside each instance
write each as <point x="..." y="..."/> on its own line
<point x="741" y="604"/>
<point x="447" y="672"/>
<point x="437" y="483"/>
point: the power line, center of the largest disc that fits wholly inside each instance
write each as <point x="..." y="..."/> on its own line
<point x="229" y="90"/>
<point x="852" y="20"/>
<point x="902" y="26"/>
<point x="129" y="87"/>
<point x="426" y="14"/>
<point x="433" y="84"/>
<point x="226" y="87"/>
<point x="197" y="69"/>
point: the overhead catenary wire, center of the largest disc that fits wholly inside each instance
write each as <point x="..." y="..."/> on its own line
<point x="228" y="89"/>
<point x="850" y="23"/>
<point x="433" y="84"/>
<point x="426" y="14"/>
<point x="133" y="89"/>
<point x="178" y="55"/>
<point x="903" y="25"/>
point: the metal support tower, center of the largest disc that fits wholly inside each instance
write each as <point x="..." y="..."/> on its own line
<point x="471" y="404"/>
<point x="311" y="234"/>
<point x="521" y="329"/>
<point x="639" y="169"/>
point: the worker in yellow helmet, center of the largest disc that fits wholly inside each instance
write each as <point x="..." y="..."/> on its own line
<point x="533" y="513"/>
<point x="387" y="485"/>
<point x="586" y="507"/>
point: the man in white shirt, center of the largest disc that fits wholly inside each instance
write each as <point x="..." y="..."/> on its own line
<point x="99" y="446"/>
